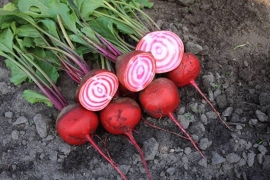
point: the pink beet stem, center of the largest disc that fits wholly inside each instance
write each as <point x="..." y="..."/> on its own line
<point x="133" y="141"/>
<point x="185" y="132"/>
<point x="90" y="139"/>
<point x="193" y="83"/>
<point x="154" y="126"/>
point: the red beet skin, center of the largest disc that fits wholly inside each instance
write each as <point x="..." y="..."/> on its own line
<point x="119" y="118"/>
<point x="160" y="98"/>
<point x="187" y="71"/>
<point x="74" y="123"/>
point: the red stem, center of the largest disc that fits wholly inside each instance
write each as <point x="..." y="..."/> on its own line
<point x="90" y="139"/>
<point x="154" y="126"/>
<point x="133" y="141"/>
<point x="193" y="83"/>
<point x="185" y="132"/>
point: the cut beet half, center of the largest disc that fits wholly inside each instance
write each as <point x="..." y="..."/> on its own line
<point x="166" y="47"/>
<point x="135" y="70"/>
<point x="97" y="89"/>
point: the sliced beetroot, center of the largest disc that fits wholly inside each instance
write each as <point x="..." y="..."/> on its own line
<point x="120" y="117"/>
<point x="159" y="99"/>
<point x="186" y="73"/>
<point x="96" y="89"/>
<point x="166" y="47"/>
<point x="135" y="70"/>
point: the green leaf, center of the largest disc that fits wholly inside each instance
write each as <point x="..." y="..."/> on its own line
<point x="145" y="3"/>
<point x="34" y="97"/>
<point x="87" y="7"/>
<point x="90" y="34"/>
<point x="104" y="26"/>
<point x="50" y="9"/>
<point x="17" y="75"/>
<point x="10" y="7"/>
<point x="50" y="27"/>
<point x="6" y="40"/>
<point x="50" y="70"/>
<point x="28" y="42"/>
<point x="27" y="30"/>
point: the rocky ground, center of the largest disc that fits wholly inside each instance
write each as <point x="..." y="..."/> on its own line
<point x="232" y="40"/>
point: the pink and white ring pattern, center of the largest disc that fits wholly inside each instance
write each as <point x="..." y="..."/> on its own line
<point x="97" y="92"/>
<point x="165" y="46"/>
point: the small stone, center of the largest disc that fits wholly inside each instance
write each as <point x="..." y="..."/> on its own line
<point x="204" y="143"/>
<point x="227" y="112"/>
<point x="222" y="101"/>
<point x="193" y="47"/>
<point x="242" y="162"/>
<point x="260" y="158"/>
<point x="262" y="149"/>
<point x="159" y="23"/>
<point x="185" y="119"/>
<point x="4" y="89"/>
<point x="203" y="162"/>
<point x="124" y="168"/>
<point x="217" y="159"/>
<point x="9" y="114"/>
<point x="41" y="122"/>
<point x="194" y="107"/>
<point x="264" y="99"/>
<point x="204" y="119"/>
<point x="15" y="134"/>
<point x="250" y="158"/>
<point x="65" y="148"/>
<point x="253" y="122"/>
<point x="211" y="115"/>
<point x="187" y="150"/>
<point x="186" y="2"/>
<point x="261" y="116"/>
<point x="266" y="163"/>
<point x="208" y="79"/>
<point x="20" y="120"/>
<point x="150" y="148"/>
<point x="233" y="158"/>
<point x="170" y="170"/>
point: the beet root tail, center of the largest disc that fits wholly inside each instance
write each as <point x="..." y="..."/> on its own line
<point x="193" y="83"/>
<point x="185" y="132"/>
<point x="133" y="141"/>
<point x="93" y="143"/>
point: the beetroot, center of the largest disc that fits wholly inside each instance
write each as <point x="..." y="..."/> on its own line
<point x="96" y="89"/>
<point x="166" y="47"/>
<point x="186" y="73"/>
<point x="76" y="125"/>
<point x="135" y="70"/>
<point x="120" y="117"/>
<point x="161" y="98"/>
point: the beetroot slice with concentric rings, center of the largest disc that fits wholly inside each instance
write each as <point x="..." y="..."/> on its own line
<point x="166" y="47"/>
<point x="135" y="70"/>
<point x="97" y="89"/>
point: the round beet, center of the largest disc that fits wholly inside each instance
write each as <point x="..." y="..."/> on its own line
<point x="97" y="89"/>
<point x="186" y="73"/>
<point x="120" y="117"/>
<point x="74" y="123"/>
<point x="160" y="98"/>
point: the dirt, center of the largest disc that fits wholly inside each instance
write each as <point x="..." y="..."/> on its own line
<point x="232" y="40"/>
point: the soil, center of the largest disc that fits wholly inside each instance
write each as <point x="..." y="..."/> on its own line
<point x="232" y="40"/>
